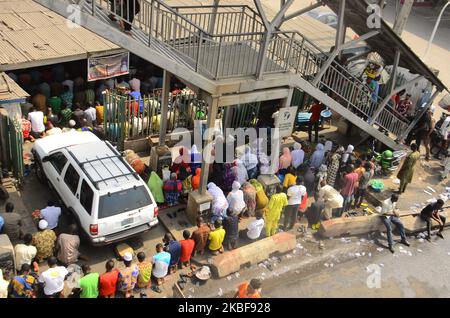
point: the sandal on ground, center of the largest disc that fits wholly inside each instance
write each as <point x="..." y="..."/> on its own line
<point x="156" y="289"/>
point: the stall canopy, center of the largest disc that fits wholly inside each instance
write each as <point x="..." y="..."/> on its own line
<point x="32" y="35"/>
<point x="10" y="91"/>
<point x="386" y="42"/>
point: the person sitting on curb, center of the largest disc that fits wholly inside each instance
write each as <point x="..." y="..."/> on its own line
<point x="216" y="238"/>
<point x="431" y="213"/>
<point x="390" y="215"/>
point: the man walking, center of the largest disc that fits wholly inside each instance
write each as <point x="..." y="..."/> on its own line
<point x="390" y="215"/>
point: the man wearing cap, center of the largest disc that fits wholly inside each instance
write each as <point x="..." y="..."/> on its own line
<point x="249" y="290"/>
<point x="173" y="247"/>
<point x="44" y="240"/>
<point x="127" y="276"/>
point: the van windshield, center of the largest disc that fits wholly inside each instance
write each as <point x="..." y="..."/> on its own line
<point x="123" y="201"/>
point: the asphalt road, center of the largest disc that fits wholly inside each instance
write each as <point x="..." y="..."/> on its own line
<point x="423" y="272"/>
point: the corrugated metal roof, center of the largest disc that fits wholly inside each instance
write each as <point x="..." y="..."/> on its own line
<point x="10" y="90"/>
<point x="30" y="32"/>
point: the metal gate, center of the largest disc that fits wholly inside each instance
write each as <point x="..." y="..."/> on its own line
<point x="12" y="145"/>
<point x="244" y="116"/>
<point x="128" y="119"/>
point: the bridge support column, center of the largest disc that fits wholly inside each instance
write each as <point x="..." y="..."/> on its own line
<point x="199" y="201"/>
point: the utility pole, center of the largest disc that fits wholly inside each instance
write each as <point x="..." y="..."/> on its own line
<point x="403" y="15"/>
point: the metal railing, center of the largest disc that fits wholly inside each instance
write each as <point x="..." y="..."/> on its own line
<point x="228" y="43"/>
<point x="126" y="118"/>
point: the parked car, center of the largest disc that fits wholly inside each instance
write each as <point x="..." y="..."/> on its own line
<point x="106" y="196"/>
<point x="327" y="17"/>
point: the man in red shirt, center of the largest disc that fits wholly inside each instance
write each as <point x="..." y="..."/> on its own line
<point x="108" y="281"/>
<point x="315" y="109"/>
<point x="350" y="183"/>
<point x="187" y="247"/>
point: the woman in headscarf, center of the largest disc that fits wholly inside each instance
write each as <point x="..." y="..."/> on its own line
<point x="317" y="157"/>
<point x="219" y="203"/>
<point x="217" y="175"/>
<point x="181" y="161"/>
<point x="298" y="155"/>
<point x="196" y="179"/>
<point x="172" y="190"/>
<point x="334" y="166"/>
<point x="196" y="159"/>
<point x="228" y="177"/>
<point x="285" y="161"/>
<point x="320" y="176"/>
<point x="308" y="178"/>
<point x="235" y="199"/>
<point x="250" y="161"/>
<point x="328" y="148"/>
<point x="261" y="198"/>
<point x="249" y="198"/>
<point x="348" y="155"/>
<point x="155" y="184"/>
<point x="240" y="172"/>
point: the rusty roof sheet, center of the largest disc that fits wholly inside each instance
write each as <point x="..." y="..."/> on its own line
<point x="10" y="90"/>
<point x="30" y="32"/>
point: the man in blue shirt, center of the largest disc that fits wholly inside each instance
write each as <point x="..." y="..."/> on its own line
<point x="161" y="263"/>
<point x="173" y="247"/>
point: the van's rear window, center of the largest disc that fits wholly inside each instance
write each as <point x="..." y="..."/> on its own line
<point x="123" y="201"/>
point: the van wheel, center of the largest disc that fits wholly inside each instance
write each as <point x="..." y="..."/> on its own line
<point x="39" y="173"/>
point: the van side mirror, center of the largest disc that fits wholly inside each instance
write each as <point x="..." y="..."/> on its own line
<point x="46" y="159"/>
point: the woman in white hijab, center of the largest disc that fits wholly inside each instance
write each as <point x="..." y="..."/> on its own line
<point x="196" y="159"/>
<point x="347" y="154"/>
<point x="240" y="172"/>
<point x="235" y="199"/>
<point x="219" y="202"/>
<point x="298" y="155"/>
<point x="250" y="161"/>
<point x="317" y="157"/>
<point x="3" y="286"/>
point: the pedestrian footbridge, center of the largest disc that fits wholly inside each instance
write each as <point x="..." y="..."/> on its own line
<point x="228" y="53"/>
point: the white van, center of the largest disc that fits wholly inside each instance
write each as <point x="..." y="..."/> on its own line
<point x="105" y="195"/>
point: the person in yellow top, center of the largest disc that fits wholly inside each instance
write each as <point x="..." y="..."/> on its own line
<point x="290" y="179"/>
<point x="99" y="111"/>
<point x="276" y="204"/>
<point x="216" y="238"/>
<point x="261" y="198"/>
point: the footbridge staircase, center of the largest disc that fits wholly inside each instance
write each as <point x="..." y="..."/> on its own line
<point x="226" y="52"/>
